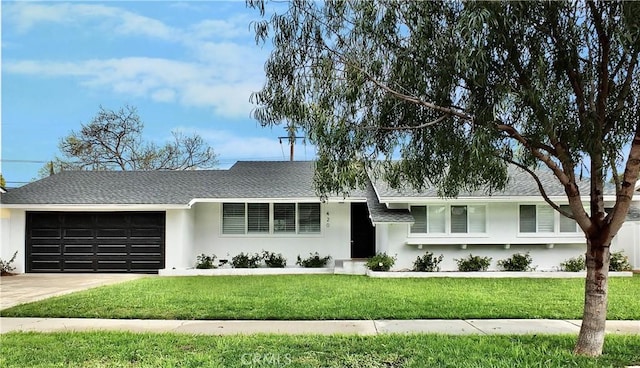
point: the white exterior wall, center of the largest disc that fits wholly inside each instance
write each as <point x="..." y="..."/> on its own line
<point x="334" y="239"/>
<point x="179" y="239"/>
<point x="12" y="236"/>
<point x="628" y="240"/>
<point x="502" y="229"/>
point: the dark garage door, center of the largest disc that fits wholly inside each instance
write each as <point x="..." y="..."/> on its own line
<point x="95" y="241"/>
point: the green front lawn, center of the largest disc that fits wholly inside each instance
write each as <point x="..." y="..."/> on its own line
<point x="117" y="349"/>
<point x="318" y="297"/>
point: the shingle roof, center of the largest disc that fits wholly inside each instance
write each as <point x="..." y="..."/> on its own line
<point x="520" y="184"/>
<point x="269" y="180"/>
<point x="381" y="214"/>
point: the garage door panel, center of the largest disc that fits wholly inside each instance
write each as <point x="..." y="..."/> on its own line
<point x="45" y="249"/>
<point x="46" y="233"/>
<point x="78" y="233"/>
<point x="77" y="220"/>
<point x="46" y="265"/>
<point x="146" y="233"/>
<point x="78" y="249"/>
<point x="95" y="241"/>
<point x="111" y="233"/>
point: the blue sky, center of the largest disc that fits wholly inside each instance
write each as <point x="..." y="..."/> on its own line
<point x="187" y="66"/>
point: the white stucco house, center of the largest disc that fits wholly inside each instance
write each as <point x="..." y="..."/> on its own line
<point x="161" y="220"/>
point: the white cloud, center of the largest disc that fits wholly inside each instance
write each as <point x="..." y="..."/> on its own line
<point x="26" y="15"/>
<point x="220" y="75"/>
<point x="190" y="83"/>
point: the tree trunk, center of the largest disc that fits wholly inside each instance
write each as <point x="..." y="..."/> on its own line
<point x="594" y="317"/>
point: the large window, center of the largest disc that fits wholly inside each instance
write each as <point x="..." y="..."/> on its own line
<point x="265" y="218"/>
<point x="462" y="219"/>
<point x="542" y="219"/>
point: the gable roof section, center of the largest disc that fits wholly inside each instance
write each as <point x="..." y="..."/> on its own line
<point x="520" y="184"/>
<point x="243" y="181"/>
<point x="379" y="212"/>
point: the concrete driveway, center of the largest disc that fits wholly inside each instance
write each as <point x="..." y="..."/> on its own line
<point x="25" y="288"/>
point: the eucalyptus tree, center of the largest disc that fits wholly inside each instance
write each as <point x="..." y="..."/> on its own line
<point x="113" y="140"/>
<point x="450" y="93"/>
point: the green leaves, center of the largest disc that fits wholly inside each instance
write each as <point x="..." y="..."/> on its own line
<point x="452" y="89"/>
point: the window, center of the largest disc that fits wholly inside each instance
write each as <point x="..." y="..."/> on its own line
<point x="463" y="219"/>
<point x="437" y="219"/>
<point x="265" y="218"/>
<point x="258" y="217"/>
<point x="537" y="219"/>
<point x="233" y="218"/>
<point x="567" y="225"/>
<point x="309" y="217"/>
<point x="458" y="219"/>
<point x="420" y="216"/>
<point x="284" y="218"/>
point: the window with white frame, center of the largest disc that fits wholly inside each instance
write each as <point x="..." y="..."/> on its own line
<point x="544" y="219"/>
<point x="284" y="218"/>
<point x="265" y="218"/>
<point x="233" y="218"/>
<point x="309" y="218"/>
<point x="432" y="219"/>
<point x="536" y="219"/>
<point x="258" y="217"/>
<point x="567" y="225"/>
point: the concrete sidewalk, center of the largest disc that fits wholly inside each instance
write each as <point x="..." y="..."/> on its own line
<point x="367" y="327"/>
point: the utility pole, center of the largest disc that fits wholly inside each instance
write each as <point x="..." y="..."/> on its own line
<point x="292" y="142"/>
<point x="292" y="130"/>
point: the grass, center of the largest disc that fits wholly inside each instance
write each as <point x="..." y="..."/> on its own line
<point x="119" y="349"/>
<point x="326" y="297"/>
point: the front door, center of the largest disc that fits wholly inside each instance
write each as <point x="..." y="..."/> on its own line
<point x="363" y="234"/>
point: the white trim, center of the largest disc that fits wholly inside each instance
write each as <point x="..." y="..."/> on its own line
<point x="485" y="199"/>
<point x="96" y="207"/>
<point x="279" y="200"/>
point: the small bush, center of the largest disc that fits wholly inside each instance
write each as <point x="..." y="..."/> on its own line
<point x="576" y="264"/>
<point x="313" y="261"/>
<point x="246" y="260"/>
<point x="517" y="262"/>
<point x="204" y="261"/>
<point x="427" y="263"/>
<point x="380" y="262"/>
<point x="473" y="263"/>
<point x="7" y="266"/>
<point x="619" y="262"/>
<point x="274" y="260"/>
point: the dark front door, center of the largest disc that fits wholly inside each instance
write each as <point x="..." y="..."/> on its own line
<point x="95" y="241"/>
<point x="363" y="234"/>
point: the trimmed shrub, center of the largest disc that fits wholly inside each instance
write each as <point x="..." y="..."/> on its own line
<point x="517" y="262"/>
<point x="427" y="263"/>
<point x="204" y="261"/>
<point x="274" y="260"/>
<point x="575" y="264"/>
<point x="313" y="261"/>
<point x="473" y="263"/>
<point x="381" y="262"/>
<point x="619" y="262"/>
<point x="246" y="260"/>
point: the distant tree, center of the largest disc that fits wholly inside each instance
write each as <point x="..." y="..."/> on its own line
<point x="113" y="141"/>
<point x="450" y="93"/>
<point x="3" y="183"/>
